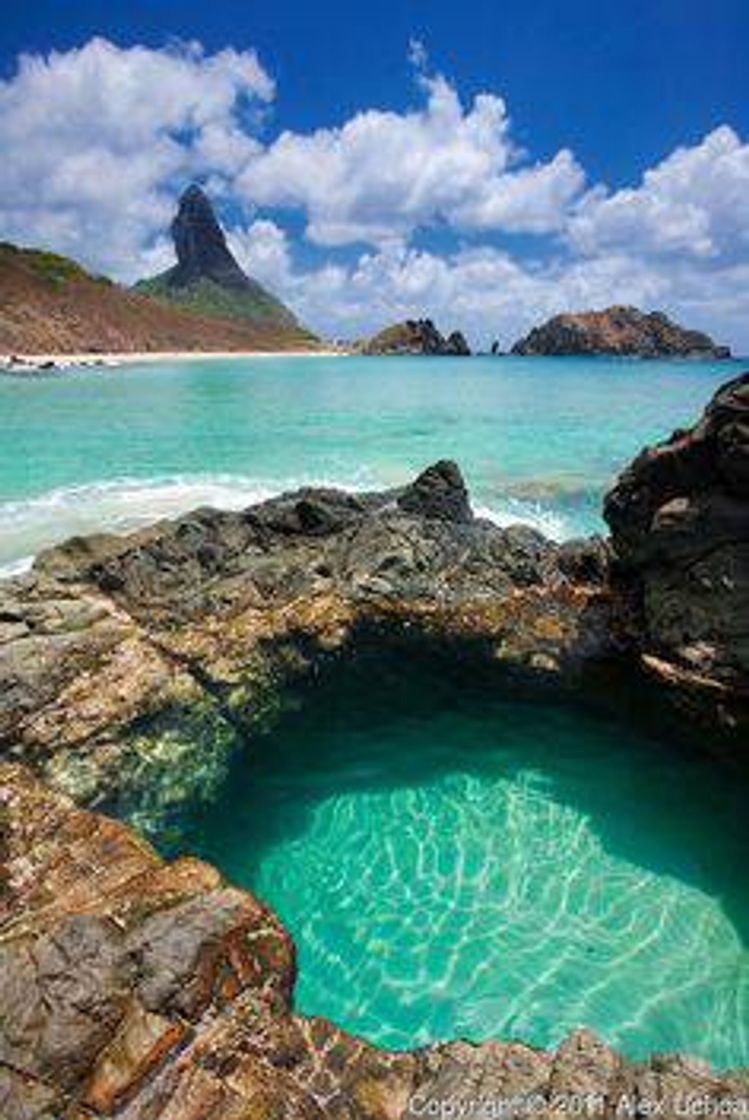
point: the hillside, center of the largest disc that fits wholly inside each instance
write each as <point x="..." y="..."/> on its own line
<point x="50" y="305"/>
<point x="208" y="280"/>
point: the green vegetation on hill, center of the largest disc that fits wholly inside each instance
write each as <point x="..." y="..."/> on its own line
<point x="207" y="297"/>
<point x="53" y="267"/>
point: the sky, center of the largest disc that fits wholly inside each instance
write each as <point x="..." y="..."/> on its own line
<point x="487" y="163"/>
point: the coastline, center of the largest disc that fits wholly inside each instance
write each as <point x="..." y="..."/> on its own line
<point x="32" y="363"/>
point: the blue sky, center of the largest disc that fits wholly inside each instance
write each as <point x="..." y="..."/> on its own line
<point x="482" y="162"/>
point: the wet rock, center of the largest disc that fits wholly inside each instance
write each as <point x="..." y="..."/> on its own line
<point x="438" y="492"/>
<point x="134" y="663"/>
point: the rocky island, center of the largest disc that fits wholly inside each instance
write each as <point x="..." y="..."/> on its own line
<point x="131" y="667"/>
<point x="415" y="336"/>
<point x="623" y="331"/>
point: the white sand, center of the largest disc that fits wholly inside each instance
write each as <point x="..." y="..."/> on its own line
<point x="118" y="358"/>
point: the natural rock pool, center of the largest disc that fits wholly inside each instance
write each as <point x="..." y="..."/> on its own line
<point x="454" y="863"/>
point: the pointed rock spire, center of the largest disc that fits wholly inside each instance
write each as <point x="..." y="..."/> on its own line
<point x="200" y="244"/>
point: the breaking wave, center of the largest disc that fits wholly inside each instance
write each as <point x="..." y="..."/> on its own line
<point x="122" y="504"/>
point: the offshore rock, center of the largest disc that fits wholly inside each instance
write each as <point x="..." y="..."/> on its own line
<point x="679" y="517"/>
<point x="416" y="336"/>
<point x="624" y="331"/>
<point x="147" y="990"/>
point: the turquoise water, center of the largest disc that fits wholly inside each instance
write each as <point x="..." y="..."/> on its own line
<point x="538" y="439"/>
<point x="477" y="867"/>
<point x="488" y="868"/>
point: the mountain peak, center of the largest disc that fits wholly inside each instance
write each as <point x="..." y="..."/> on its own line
<point x="200" y="244"/>
<point x="208" y="280"/>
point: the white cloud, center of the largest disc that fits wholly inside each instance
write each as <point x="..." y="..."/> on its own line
<point x="95" y="139"/>
<point x="98" y="141"/>
<point x="383" y="174"/>
<point x="695" y="203"/>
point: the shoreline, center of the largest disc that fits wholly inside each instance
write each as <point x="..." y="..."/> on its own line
<point x="32" y="363"/>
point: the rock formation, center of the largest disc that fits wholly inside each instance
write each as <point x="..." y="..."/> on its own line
<point x="130" y="667"/>
<point x="679" y="517"/>
<point x="416" y="336"/>
<point x="200" y="245"/>
<point x="208" y="279"/>
<point x="621" y="331"/>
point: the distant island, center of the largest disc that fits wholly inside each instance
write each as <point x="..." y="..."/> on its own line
<point x="49" y="304"/>
<point x="205" y="303"/>
<point x="618" y="330"/>
<point x="414" y="336"/>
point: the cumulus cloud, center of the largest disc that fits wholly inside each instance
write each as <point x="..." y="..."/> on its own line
<point x="483" y="291"/>
<point x="695" y="203"/>
<point x="99" y="141"/>
<point x="96" y="139"/>
<point x="381" y="175"/>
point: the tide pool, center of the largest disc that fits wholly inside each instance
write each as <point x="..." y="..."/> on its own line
<point x="456" y="864"/>
<point x="539" y="440"/>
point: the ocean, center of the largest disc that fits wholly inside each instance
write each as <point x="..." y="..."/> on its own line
<point x="539" y="440"/>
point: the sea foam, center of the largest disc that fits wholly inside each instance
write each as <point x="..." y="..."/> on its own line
<point x="123" y="504"/>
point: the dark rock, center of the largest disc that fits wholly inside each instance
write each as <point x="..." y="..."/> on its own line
<point x="438" y="492"/>
<point x="200" y="244"/>
<point x="456" y="344"/>
<point x="618" y="331"/>
<point x="416" y="336"/>
<point x="679" y="517"/>
<point x="119" y="653"/>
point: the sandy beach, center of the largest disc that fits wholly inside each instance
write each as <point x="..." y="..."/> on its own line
<point x="19" y="363"/>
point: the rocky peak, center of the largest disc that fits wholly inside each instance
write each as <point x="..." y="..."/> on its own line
<point x="416" y="336"/>
<point x="200" y="244"/>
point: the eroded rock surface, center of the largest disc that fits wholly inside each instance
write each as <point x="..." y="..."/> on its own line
<point x="138" y="661"/>
<point x="144" y="990"/>
<point x="679" y="517"/>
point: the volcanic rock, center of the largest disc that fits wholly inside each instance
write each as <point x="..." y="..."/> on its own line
<point x="207" y="278"/>
<point x="620" y="331"/>
<point x="416" y="336"/>
<point x="200" y="245"/>
<point x="679" y="517"/>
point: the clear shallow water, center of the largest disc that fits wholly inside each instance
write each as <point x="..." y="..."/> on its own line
<point x="485" y="868"/>
<point x="538" y="439"/>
